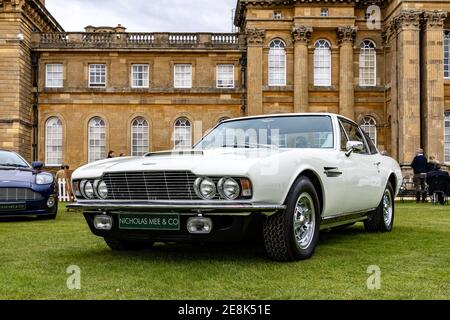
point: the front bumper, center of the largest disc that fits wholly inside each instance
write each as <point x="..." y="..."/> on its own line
<point x="31" y="208"/>
<point x="182" y="207"/>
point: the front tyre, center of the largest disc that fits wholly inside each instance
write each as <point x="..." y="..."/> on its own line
<point x="382" y="219"/>
<point x="292" y="234"/>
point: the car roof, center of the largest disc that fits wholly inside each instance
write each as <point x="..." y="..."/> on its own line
<point x="289" y="115"/>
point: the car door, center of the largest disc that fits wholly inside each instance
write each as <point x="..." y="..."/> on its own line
<point x="361" y="173"/>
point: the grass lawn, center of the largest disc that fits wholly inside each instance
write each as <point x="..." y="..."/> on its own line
<point x="414" y="260"/>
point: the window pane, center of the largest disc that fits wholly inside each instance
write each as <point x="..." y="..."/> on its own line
<point x="225" y="76"/>
<point x="96" y="143"/>
<point x="322" y="64"/>
<point x="183" y="76"/>
<point x="447" y="138"/>
<point x="277" y="63"/>
<point x="53" y="142"/>
<point x="140" y="75"/>
<point x="182" y="135"/>
<point x="54" y="75"/>
<point x="367" y="64"/>
<point x="447" y="53"/>
<point x="139" y="137"/>
<point x="97" y="75"/>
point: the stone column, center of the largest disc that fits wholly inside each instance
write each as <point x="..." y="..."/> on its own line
<point x="407" y="23"/>
<point x="433" y="84"/>
<point x="255" y="42"/>
<point x="301" y="37"/>
<point x="346" y="37"/>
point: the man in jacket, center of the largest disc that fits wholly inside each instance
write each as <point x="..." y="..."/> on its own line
<point x="420" y="167"/>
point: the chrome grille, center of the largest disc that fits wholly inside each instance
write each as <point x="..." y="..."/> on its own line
<point x="151" y="185"/>
<point x="19" y="194"/>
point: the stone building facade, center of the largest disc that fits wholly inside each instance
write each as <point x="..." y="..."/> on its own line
<point x="69" y="97"/>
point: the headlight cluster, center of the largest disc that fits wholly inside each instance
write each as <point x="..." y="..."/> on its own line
<point x="228" y="188"/>
<point x="93" y="189"/>
<point x="44" y="178"/>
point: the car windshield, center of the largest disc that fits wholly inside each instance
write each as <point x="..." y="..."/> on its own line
<point x="271" y="132"/>
<point x="10" y="159"/>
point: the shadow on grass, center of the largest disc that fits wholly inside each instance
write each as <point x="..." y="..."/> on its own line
<point x="243" y="252"/>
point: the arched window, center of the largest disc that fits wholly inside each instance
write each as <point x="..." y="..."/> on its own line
<point x="322" y="63"/>
<point x="277" y="63"/>
<point x="53" y="142"/>
<point x="367" y="64"/>
<point x="447" y="138"/>
<point x="369" y="125"/>
<point x="96" y="139"/>
<point x="182" y="134"/>
<point x="139" y="137"/>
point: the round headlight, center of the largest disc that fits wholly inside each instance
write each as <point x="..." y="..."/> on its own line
<point x="101" y="189"/>
<point x="205" y="188"/>
<point x="229" y="188"/>
<point x="88" y="190"/>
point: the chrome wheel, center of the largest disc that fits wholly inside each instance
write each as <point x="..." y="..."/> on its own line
<point x="387" y="207"/>
<point x="304" y="220"/>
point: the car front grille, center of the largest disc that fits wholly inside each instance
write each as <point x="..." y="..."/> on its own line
<point x="151" y="185"/>
<point x="18" y="194"/>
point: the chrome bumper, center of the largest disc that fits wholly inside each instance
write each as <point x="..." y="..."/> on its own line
<point x="182" y="207"/>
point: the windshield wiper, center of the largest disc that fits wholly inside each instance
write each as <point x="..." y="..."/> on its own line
<point x="249" y="145"/>
<point x="14" y="165"/>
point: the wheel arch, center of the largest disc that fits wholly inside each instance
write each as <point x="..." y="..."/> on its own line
<point x="393" y="180"/>
<point x="317" y="183"/>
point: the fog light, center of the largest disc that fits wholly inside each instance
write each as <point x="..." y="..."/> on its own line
<point x="103" y="222"/>
<point x="199" y="225"/>
<point x="51" y="202"/>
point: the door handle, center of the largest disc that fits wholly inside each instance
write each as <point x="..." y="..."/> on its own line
<point x="377" y="163"/>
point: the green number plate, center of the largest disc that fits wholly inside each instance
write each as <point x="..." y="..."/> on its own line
<point x="11" y="207"/>
<point x="149" y="221"/>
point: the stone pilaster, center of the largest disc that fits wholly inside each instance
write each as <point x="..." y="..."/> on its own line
<point x="433" y="83"/>
<point x="301" y="36"/>
<point x="346" y="37"/>
<point x="407" y="23"/>
<point x="255" y="42"/>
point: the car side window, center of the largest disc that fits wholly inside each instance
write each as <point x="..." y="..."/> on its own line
<point x="372" y="147"/>
<point x="344" y="138"/>
<point x="354" y="134"/>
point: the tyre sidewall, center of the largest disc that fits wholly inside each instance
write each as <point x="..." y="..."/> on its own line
<point x="387" y="228"/>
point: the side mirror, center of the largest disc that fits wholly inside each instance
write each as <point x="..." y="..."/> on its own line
<point x="37" y="165"/>
<point x="354" y="146"/>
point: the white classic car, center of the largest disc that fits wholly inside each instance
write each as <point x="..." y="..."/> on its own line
<point x="286" y="176"/>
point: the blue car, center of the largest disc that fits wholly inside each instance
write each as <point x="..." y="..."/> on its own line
<point x="25" y="190"/>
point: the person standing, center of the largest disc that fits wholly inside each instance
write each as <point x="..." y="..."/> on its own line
<point x="111" y="154"/>
<point x="420" y="167"/>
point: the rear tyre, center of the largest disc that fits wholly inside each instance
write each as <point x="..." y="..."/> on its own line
<point x="382" y="219"/>
<point x="292" y="234"/>
<point x="125" y="245"/>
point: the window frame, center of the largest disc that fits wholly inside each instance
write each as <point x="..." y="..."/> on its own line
<point x="317" y="49"/>
<point x="363" y="51"/>
<point x="97" y="85"/>
<point x="189" y="135"/>
<point x="232" y="86"/>
<point x="175" y="66"/>
<point x="59" y="137"/>
<point x="446" y="47"/>
<point x="144" y="148"/>
<point x="147" y="83"/>
<point x="102" y="156"/>
<point x="363" y="123"/>
<point x="324" y="12"/>
<point x="446" y="141"/>
<point x="47" y="75"/>
<point x="283" y="67"/>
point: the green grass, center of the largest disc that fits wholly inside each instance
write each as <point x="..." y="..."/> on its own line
<point x="414" y="261"/>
